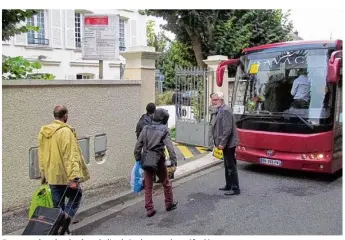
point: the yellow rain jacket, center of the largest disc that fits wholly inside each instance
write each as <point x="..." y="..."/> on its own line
<point x="60" y="157"/>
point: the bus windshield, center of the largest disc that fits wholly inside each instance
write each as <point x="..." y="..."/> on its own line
<point x="289" y="83"/>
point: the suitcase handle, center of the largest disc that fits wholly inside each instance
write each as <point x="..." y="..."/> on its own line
<point x="63" y="196"/>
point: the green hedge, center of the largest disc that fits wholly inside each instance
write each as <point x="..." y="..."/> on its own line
<point x="164" y="98"/>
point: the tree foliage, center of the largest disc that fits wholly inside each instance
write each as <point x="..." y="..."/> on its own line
<point x="20" y="68"/>
<point x="172" y="54"/>
<point x="11" y="19"/>
<point x="224" y="32"/>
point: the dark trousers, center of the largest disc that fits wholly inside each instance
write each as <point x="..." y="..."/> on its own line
<point x="163" y="176"/>
<point x="210" y="138"/>
<point x="59" y="198"/>
<point x="300" y="103"/>
<point x="230" y="165"/>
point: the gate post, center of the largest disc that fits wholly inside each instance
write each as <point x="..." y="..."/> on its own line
<point x="212" y="62"/>
<point x="140" y="65"/>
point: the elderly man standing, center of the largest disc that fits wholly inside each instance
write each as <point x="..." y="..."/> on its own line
<point x="225" y="137"/>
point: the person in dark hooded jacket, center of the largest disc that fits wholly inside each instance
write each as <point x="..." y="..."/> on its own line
<point x="156" y="137"/>
<point x="146" y="118"/>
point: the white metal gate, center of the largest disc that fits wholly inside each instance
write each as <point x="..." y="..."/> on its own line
<point x="192" y="101"/>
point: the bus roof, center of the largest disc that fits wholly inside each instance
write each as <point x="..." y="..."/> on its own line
<point x="332" y="43"/>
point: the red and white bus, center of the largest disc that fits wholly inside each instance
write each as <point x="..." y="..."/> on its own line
<point x="287" y="99"/>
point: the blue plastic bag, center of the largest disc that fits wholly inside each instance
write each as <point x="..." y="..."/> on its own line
<point x="137" y="177"/>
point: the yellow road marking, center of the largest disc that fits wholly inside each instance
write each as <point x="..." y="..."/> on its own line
<point x="185" y="151"/>
<point x="201" y="149"/>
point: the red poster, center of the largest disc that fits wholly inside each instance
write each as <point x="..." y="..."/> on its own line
<point x="96" y="20"/>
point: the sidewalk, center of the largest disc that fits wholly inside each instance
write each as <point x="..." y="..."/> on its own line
<point x="96" y="208"/>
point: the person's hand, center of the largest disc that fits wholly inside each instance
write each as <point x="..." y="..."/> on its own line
<point x="74" y="184"/>
<point x="220" y="147"/>
<point x="43" y="180"/>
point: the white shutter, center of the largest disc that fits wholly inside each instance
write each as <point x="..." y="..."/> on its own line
<point x="21" y="39"/>
<point x="69" y="29"/>
<point x="133" y="33"/>
<point x="82" y="28"/>
<point x="55" y="27"/>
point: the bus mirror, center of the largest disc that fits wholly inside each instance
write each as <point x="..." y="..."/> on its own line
<point x="221" y="69"/>
<point x="334" y="66"/>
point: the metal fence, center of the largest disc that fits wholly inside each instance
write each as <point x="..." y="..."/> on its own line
<point x="191" y="103"/>
<point x="159" y="81"/>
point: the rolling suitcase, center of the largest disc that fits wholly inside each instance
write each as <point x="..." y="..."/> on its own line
<point x="49" y="221"/>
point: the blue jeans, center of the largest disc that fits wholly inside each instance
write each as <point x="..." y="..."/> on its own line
<point x="71" y="207"/>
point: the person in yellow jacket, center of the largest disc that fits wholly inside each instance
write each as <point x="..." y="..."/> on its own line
<point x="61" y="162"/>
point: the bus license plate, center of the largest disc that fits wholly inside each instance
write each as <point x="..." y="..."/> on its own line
<point x="270" y="162"/>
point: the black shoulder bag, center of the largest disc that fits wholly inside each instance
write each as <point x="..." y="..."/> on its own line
<point x="150" y="158"/>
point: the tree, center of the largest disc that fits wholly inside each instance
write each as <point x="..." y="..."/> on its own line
<point x="150" y="31"/>
<point x="178" y="55"/>
<point x="172" y="54"/>
<point x="224" y="32"/>
<point x="11" y="18"/>
<point x="19" y="67"/>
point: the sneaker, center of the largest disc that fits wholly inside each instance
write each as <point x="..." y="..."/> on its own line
<point x="233" y="192"/>
<point x="151" y="213"/>
<point x="172" y="206"/>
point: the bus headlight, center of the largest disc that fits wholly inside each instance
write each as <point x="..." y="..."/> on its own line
<point x="318" y="156"/>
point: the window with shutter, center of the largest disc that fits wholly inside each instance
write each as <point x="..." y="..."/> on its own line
<point x="39" y="37"/>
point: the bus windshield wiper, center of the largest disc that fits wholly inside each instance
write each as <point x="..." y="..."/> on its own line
<point x="252" y="116"/>
<point x="296" y="115"/>
<point x="276" y="114"/>
<point x="263" y="111"/>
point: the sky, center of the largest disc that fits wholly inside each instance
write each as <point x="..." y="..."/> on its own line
<point x="318" y="24"/>
<point x="311" y="24"/>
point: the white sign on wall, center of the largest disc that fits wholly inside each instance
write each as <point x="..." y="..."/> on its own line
<point x="101" y="37"/>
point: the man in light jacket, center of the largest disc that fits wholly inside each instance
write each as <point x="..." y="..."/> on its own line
<point x="61" y="162"/>
<point x="225" y="137"/>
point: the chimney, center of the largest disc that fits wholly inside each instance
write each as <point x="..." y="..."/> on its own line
<point x="296" y="33"/>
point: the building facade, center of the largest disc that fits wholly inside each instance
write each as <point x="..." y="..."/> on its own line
<point x="58" y="43"/>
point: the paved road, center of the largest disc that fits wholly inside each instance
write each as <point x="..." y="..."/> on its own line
<point x="272" y="202"/>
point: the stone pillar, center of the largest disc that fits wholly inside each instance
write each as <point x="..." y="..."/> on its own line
<point x="212" y="62"/>
<point x="140" y="65"/>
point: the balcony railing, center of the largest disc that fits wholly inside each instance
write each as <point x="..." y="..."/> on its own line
<point x="39" y="41"/>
